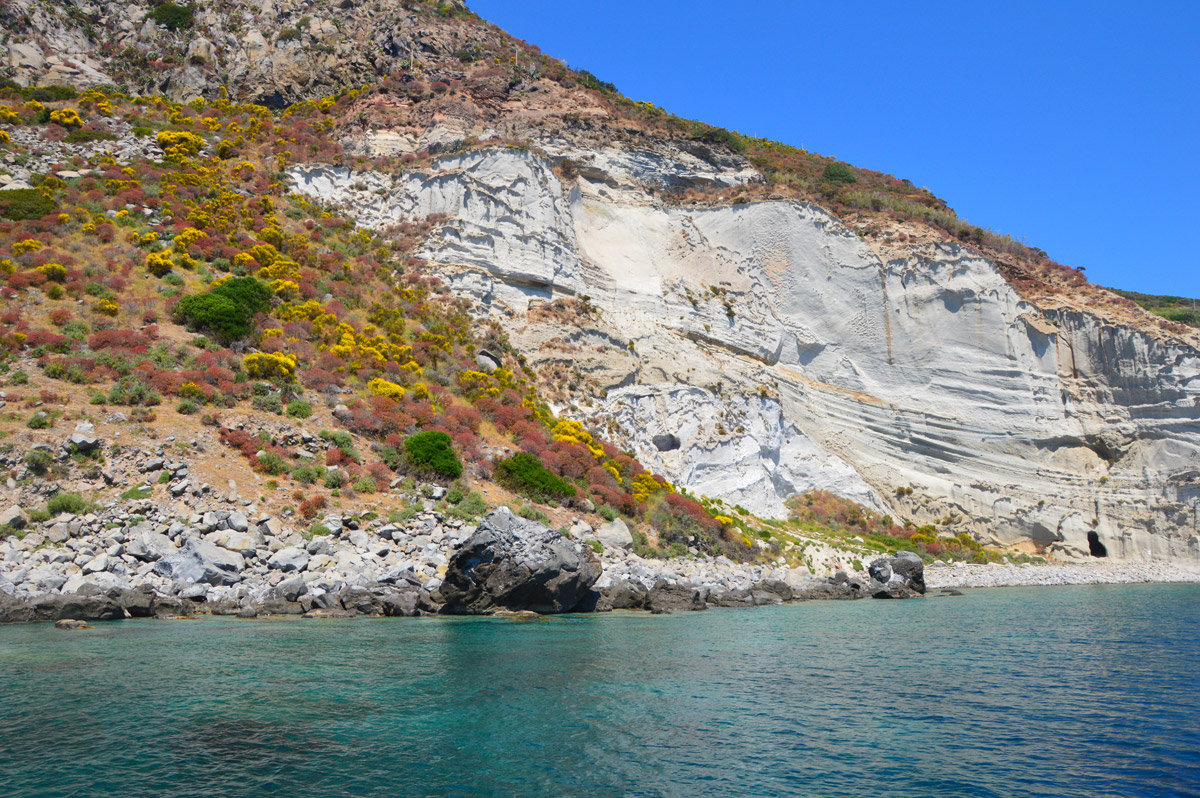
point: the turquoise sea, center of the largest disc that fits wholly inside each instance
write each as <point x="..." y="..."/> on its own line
<point x="1081" y="691"/>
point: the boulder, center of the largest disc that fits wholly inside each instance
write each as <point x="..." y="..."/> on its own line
<point x="202" y="561"/>
<point x="511" y="563"/>
<point x="627" y="595"/>
<point x="71" y="623"/>
<point x="14" y="517"/>
<point x="615" y="535"/>
<point x="901" y="576"/>
<point x="150" y="546"/>
<point x="289" y="559"/>
<point x="665" y="598"/>
<point x="241" y="542"/>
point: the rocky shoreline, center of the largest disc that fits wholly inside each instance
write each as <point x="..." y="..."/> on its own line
<point x="969" y="575"/>
<point x="142" y="562"/>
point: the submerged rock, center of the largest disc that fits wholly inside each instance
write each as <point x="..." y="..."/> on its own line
<point x="514" y="564"/>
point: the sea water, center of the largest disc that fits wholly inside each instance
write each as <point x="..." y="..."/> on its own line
<point x="1072" y="691"/>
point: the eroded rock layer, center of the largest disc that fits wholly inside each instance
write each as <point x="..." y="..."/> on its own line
<point x="759" y="350"/>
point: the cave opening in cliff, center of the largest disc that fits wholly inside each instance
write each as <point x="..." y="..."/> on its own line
<point x="1097" y="548"/>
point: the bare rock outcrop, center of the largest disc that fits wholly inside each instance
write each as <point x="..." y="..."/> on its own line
<point x="514" y="564"/>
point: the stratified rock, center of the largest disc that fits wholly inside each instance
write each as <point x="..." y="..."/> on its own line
<point x="515" y="564"/>
<point x="201" y="561"/>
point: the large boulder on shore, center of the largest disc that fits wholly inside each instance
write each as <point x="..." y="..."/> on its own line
<point x="514" y="564"/>
<point x="202" y="561"/>
<point x="902" y="576"/>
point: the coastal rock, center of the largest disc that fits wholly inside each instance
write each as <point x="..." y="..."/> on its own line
<point x="615" y="534"/>
<point x="665" y="598"/>
<point x="289" y="559"/>
<point x="71" y="623"/>
<point x="202" y="561"/>
<point x="515" y="564"/>
<point x="901" y="576"/>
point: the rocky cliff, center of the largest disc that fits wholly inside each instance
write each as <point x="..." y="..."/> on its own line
<point x="759" y="350"/>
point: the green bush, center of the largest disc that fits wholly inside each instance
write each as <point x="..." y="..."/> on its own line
<point x="19" y="378"/>
<point x="39" y="461"/>
<point x="607" y="512"/>
<point x="596" y="545"/>
<point x="430" y="453"/>
<point x="298" y="408"/>
<point x="141" y="131"/>
<point x="390" y="456"/>
<point x="307" y="475"/>
<point x="272" y="463"/>
<point x="841" y="173"/>
<point x="164" y="477"/>
<point x="455" y="495"/>
<point x="470" y="508"/>
<point x="51" y="94"/>
<point x="364" y="484"/>
<point x="288" y="35"/>
<point x="525" y="474"/>
<point x="71" y="503"/>
<point x="534" y="514"/>
<point x="228" y="310"/>
<point x="39" y="420"/>
<point x="334" y="479"/>
<point x="24" y="204"/>
<point x="83" y="135"/>
<point x="135" y="493"/>
<point x="173" y="17"/>
<point x="318" y="530"/>
<point x="269" y="404"/>
<point x="187" y="407"/>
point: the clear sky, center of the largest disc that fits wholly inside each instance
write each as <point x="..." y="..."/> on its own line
<point x="1074" y="126"/>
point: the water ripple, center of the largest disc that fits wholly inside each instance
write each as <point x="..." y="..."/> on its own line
<point x="1087" y="691"/>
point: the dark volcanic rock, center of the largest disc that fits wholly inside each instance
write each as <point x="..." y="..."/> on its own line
<point x="625" y="595"/>
<point x="902" y="576"/>
<point x="665" y="597"/>
<point x="514" y="564"/>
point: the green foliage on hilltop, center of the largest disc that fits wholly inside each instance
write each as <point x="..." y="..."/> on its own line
<point x="1180" y="310"/>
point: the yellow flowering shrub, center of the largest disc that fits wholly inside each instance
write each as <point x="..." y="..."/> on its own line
<point x="179" y="144"/>
<point x="573" y="432"/>
<point x="159" y="263"/>
<point x="28" y="245"/>
<point x="67" y="117"/>
<point x="8" y="116"/>
<point x="645" y="485"/>
<point x="270" y="364"/>
<point x="55" y="272"/>
<point x="382" y="387"/>
<point x="186" y="237"/>
<point x="108" y="307"/>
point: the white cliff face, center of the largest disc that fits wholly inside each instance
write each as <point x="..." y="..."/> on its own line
<point x="785" y="355"/>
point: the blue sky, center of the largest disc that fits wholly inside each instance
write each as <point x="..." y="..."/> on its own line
<point x="1072" y="126"/>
